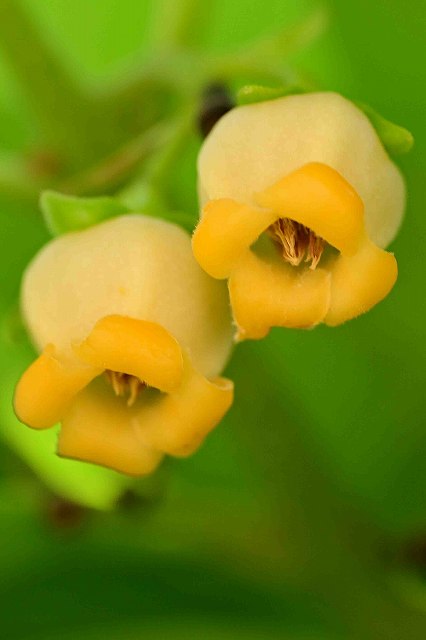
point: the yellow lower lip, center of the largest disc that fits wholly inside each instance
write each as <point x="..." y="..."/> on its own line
<point x="100" y="428"/>
<point x="97" y="426"/>
<point x="265" y="295"/>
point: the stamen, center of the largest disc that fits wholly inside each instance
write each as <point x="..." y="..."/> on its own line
<point x="125" y="384"/>
<point x="316" y="247"/>
<point x="297" y="242"/>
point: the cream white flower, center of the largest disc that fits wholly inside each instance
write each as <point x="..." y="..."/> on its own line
<point x="133" y="336"/>
<point x="310" y="170"/>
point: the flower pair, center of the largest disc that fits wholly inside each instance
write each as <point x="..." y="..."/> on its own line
<point x="299" y="199"/>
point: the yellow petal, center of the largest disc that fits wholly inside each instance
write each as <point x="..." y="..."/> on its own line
<point x="101" y="428"/>
<point x="47" y="387"/>
<point x="273" y="294"/>
<point x="360" y="281"/>
<point x="226" y="230"/>
<point x="179" y="422"/>
<point x="318" y="197"/>
<point x="136" y="347"/>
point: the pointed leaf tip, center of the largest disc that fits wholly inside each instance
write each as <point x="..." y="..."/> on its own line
<point x="396" y="140"/>
<point x="253" y="93"/>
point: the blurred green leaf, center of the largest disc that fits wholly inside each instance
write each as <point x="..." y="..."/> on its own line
<point x="63" y="213"/>
<point x="80" y="482"/>
<point x="106" y="584"/>
<point x="195" y="626"/>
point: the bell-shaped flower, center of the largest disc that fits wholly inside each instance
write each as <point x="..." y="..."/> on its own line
<point x="133" y="337"/>
<point x="299" y="199"/>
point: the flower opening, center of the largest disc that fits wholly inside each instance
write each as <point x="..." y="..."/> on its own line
<point x="296" y="242"/>
<point x="125" y="385"/>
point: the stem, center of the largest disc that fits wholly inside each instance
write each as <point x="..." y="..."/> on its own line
<point x="178" y="24"/>
<point x="153" y="178"/>
<point x="112" y="171"/>
<point x="166" y="157"/>
<point x="16" y="182"/>
<point x="185" y="71"/>
<point x="272" y="49"/>
<point x="58" y="103"/>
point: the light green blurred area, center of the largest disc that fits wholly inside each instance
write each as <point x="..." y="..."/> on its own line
<point x="201" y="561"/>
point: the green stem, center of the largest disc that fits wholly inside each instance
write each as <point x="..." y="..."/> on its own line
<point x="275" y="48"/>
<point x="166" y="157"/>
<point x="111" y="172"/>
<point x="178" y="24"/>
<point x="59" y="105"/>
<point x="186" y="71"/>
<point x="16" y="181"/>
<point x="148" y="188"/>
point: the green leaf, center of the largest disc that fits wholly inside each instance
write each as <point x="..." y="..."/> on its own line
<point x="395" y="139"/>
<point x="63" y="213"/>
<point x="250" y="94"/>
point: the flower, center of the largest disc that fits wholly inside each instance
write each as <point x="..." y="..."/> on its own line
<point x="133" y="336"/>
<point x="299" y="200"/>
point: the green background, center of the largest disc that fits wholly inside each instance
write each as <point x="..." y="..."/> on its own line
<point x="304" y="514"/>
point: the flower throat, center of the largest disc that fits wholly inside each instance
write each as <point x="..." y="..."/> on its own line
<point x="296" y="242"/>
<point x="125" y="384"/>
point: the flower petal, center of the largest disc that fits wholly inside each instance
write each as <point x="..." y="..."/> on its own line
<point x="226" y="230"/>
<point x="47" y="387"/>
<point x="100" y="428"/>
<point x="268" y="294"/>
<point x="318" y="197"/>
<point x="179" y="422"/>
<point x="136" y="347"/>
<point x="360" y="281"/>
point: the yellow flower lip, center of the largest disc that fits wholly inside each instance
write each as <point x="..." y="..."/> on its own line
<point x="139" y="348"/>
<point x="224" y="234"/>
<point x="47" y="387"/>
<point x="265" y="294"/>
<point x="318" y="197"/>
<point x="99" y="427"/>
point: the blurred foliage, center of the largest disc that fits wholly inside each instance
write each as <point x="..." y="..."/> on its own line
<point x="292" y="520"/>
